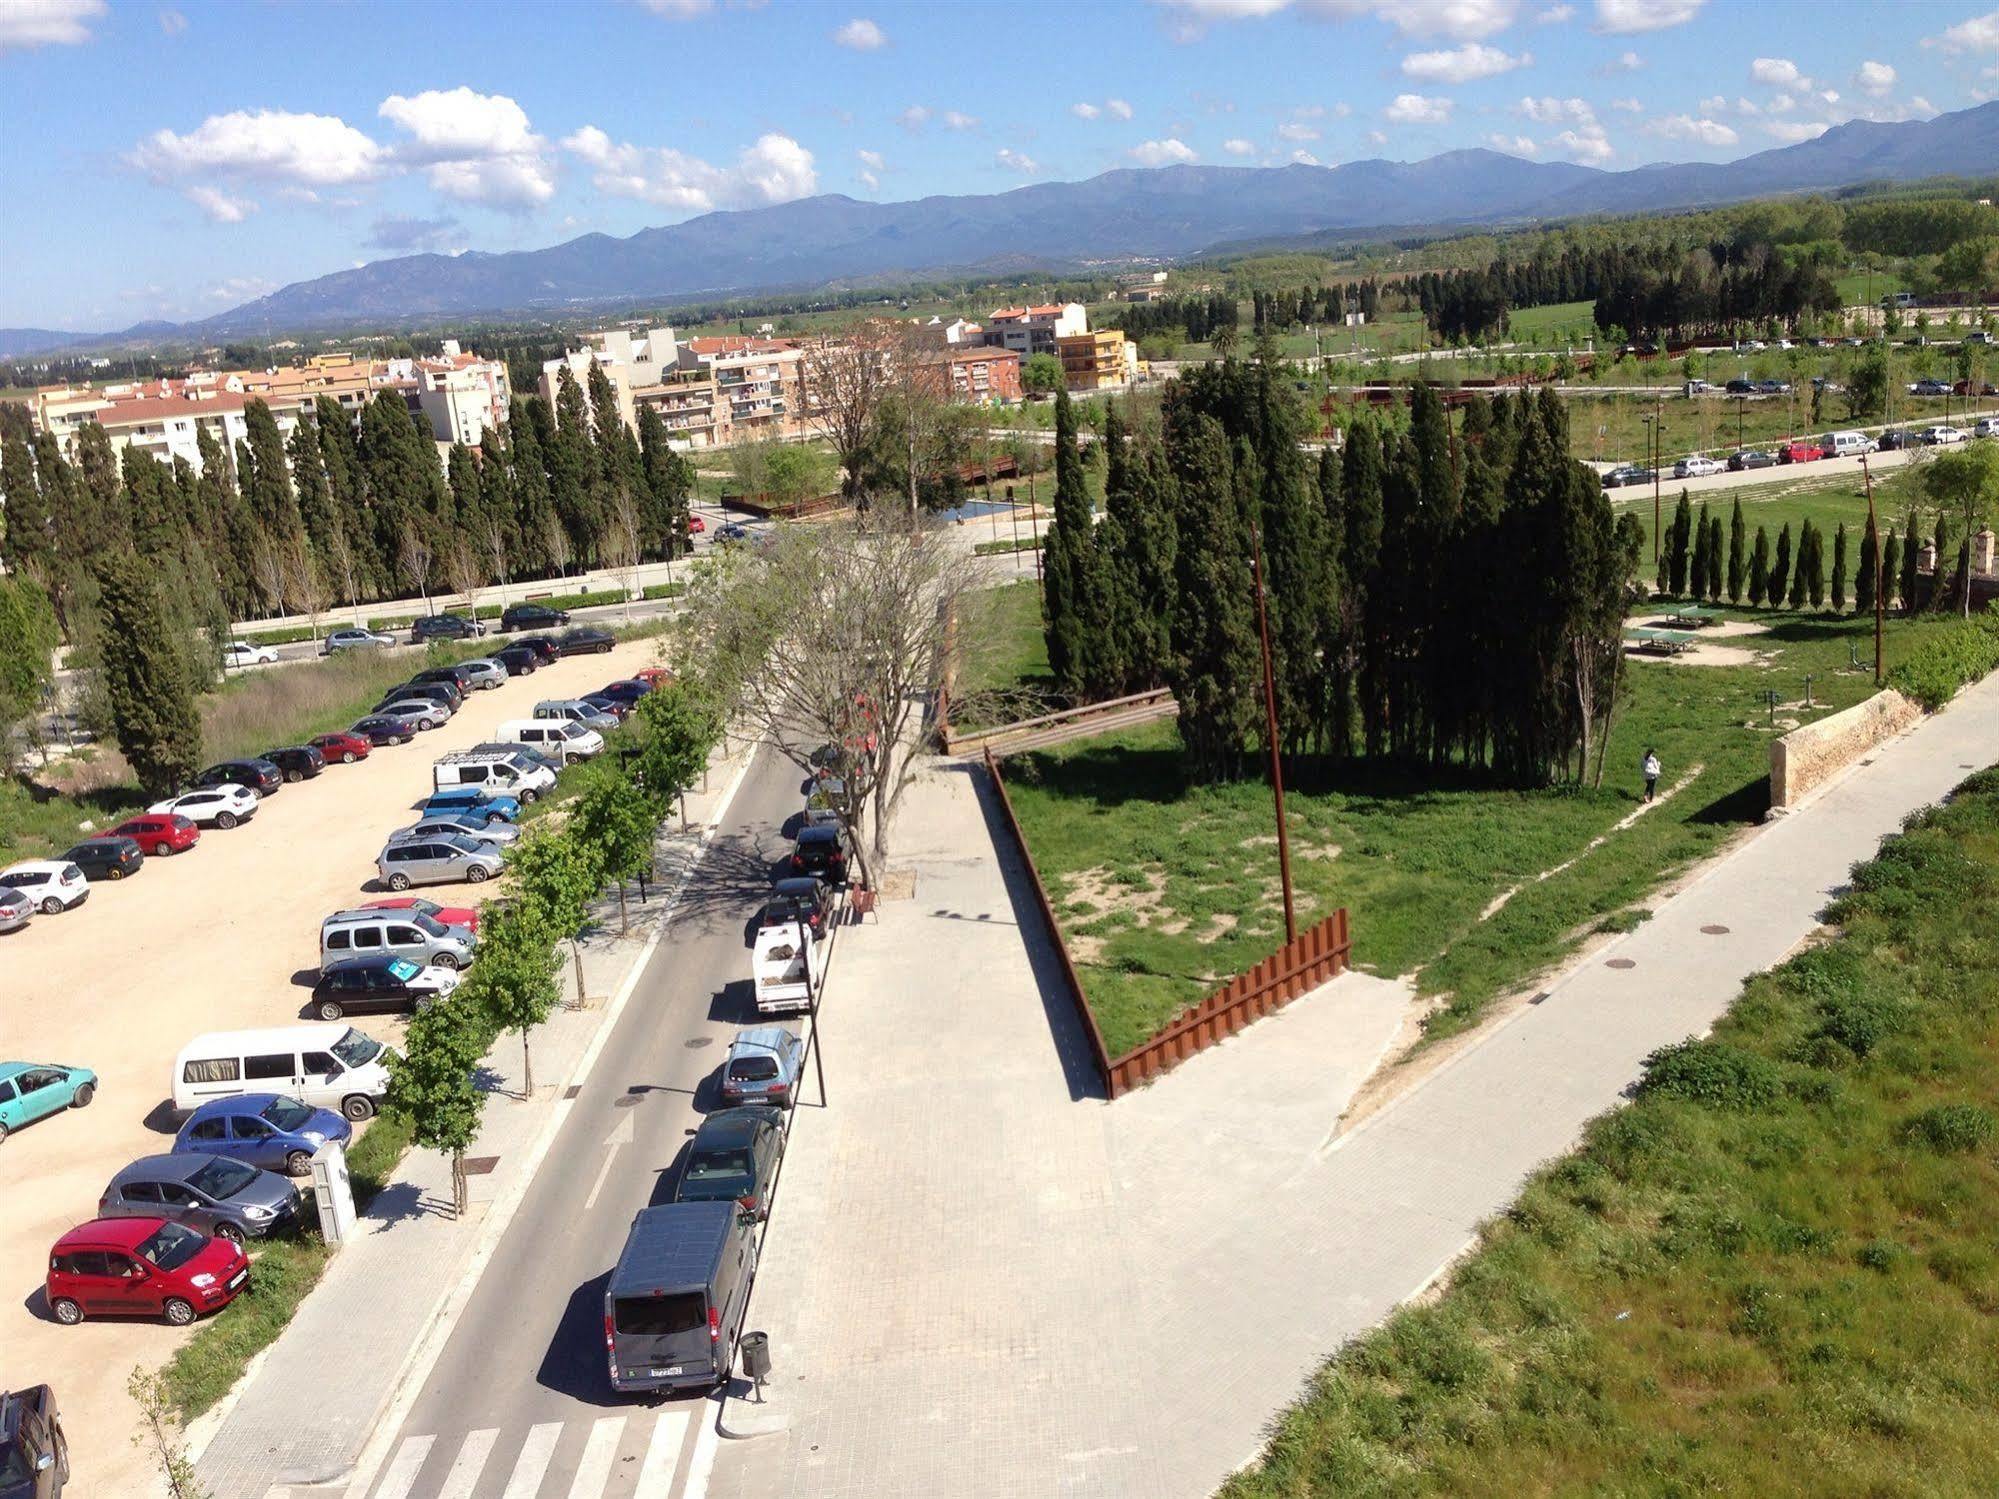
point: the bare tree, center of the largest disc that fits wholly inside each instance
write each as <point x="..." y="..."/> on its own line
<point x="269" y="567"/>
<point x="346" y="568"/>
<point x="494" y="539"/>
<point x="555" y="542"/>
<point x="305" y="579"/>
<point x="845" y="384"/>
<point x="462" y="571"/>
<point x="414" y="554"/>
<point x="622" y="540"/>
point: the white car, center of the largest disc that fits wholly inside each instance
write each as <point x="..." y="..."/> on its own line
<point x="52" y="884"/>
<point x="1698" y="466"/>
<point x="218" y="806"/>
<point x="1986" y="426"/>
<point x="1942" y="437"/>
<point x="428" y="712"/>
<point x="242" y="653"/>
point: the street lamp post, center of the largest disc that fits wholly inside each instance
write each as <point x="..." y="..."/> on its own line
<point x="1652" y="463"/>
<point x="1270" y="723"/>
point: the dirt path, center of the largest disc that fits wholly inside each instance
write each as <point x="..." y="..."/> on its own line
<point x="213" y="939"/>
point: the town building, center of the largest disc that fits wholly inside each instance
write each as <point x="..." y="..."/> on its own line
<point x="1034" y="330"/>
<point x="630" y="361"/>
<point x="1101" y="360"/>
<point x="979" y="377"/>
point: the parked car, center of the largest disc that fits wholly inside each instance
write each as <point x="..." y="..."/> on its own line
<point x="820" y="852"/>
<point x="1799" y="450"/>
<point x="381" y="983"/>
<point x="34" y="1451"/>
<point x="1696" y="466"/>
<point x="296" y="762"/>
<point x="519" y="660"/>
<point x="454" y="676"/>
<point x="763" y="1067"/>
<point x="260" y="776"/>
<point x="209" y="1193"/>
<point x="142" y="1267"/>
<point x="437" y="859"/>
<point x="445" y="627"/>
<point x="445" y="694"/>
<point x="491" y="805"/>
<point x="1626" y="473"/>
<point x="531" y="617"/>
<point x="421" y="712"/>
<point x="329" y="1066"/>
<point x="481" y="673"/>
<point x="734" y="1158"/>
<point x="472" y="825"/>
<point x="577" y="711"/>
<point x="1898" y="439"/>
<point x="35" y="1090"/>
<point x="585" y="641"/>
<point x="368" y="932"/>
<point x="563" y="740"/>
<point x="387" y="728"/>
<point x="626" y="690"/>
<point x="1930" y="388"/>
<point x="54" y="885"/>
<point x="16" y="909"/>
<point x="1740" y="387"/>
<point x="1985" y="426"/>
<point x="1941" y="437"/>
<point x="544" y="647"/>
<point x="345" y="746"/>
<point x="1773" y="388"/>
<point x="655" y="677"/>
<point x="160" y="833"/>
<point x="733" y="532"/>
<point x="241" y="653"/>
<point x="223" y="807"/>
<point x="266" y="1130"/>
<point x="696" y="525"/>
<point x="465" y="916"/>
<point x="111" y="857"/>
<point x="1750" y="458"/>
<point x="799" y="898"/>
<point x="603" y="702"/>
<point x="354" y="640"/>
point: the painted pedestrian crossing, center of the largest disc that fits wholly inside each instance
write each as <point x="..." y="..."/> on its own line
<point x="643" y="1455"/>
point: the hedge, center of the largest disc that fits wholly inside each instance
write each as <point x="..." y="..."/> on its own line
<point x="1954" y="654"/>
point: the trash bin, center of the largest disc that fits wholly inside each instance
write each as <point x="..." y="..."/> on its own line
<point x="756" y="1356"/>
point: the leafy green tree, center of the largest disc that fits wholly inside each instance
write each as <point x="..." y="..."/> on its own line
<point x="1041" y="375"/>
<point x="145" y="676"/>
<point x="29" y="548"/>
<point x="677" y="729"/>
<point x="669" y="483"/>
<point x="29" y="636"/>
<point x="515" y="980"/>
<point x="1214" y="673"/>
<point x="572" y="470"/>
<point x="1780" y="568"/>
<point x="1815" y="566"/>
<point x="1759" y="569"/>
<point x="267" y="483"/>
<point x="1963" y="482"/>
<point x="1069" y="554"/>
<point x="1738" y="560"/>
<point x="1839" y="573"/>
<point x="1801" y="566"/>
<point x="1867" y="386"/>
<point x="1698" y="567"/>
<point x="620" y="820"/>
<point x="432" y="1084"/>
<point x="557" y="877"/>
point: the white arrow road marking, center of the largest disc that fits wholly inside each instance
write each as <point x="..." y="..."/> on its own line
<point x="469" y="1464"/>
<point x="598" y="1454"/>
<point x="401" y="1477"/>
<point x="623" y="1134"/>
<point x="533" y="1461"/>
<point x="662" y="1456"/>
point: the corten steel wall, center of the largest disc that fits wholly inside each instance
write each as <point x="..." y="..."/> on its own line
<point x="1320" y="954"/>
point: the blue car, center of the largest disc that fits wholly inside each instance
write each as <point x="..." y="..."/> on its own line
<point x="266" y="1130"/>
<point x="763" y="1066"/>
<point x="491" y="807"/>
<point x="35" y="1090"/>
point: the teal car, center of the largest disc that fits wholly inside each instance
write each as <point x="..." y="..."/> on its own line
<point x="34" y="1090"/>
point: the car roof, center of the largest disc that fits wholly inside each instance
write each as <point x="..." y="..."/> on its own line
<point x="796" y="884"/>
<point x="762" y="1038"/>
<point x="116" y="1233"/>
<point x="370" y="960"/>
<point x="177" y="1167"/>
<point x="240" y="1103"/>
<point x="730" y="1126"/>
<point x="819" y="832"/>
<point x="35" y="866"/>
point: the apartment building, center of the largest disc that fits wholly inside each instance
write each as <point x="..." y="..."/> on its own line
<point x="979" y="377"/>
<point x="1034" y="330"/>
<point x="759" y="386"/>
<point x="1102" y="360"/>
<point x="630" y="361"/>
<point x="464" y="396"/>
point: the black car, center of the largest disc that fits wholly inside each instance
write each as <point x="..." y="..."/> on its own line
<point x="822" y="853"/>
<point x="376" y="983"/>
<point x="1750" y="458"/>
<point x="518" y="660"/>
<point x="605" y="703"/>
<point x="585" y="641"/>
<point x="299" y="762"/>
<point x="531" y="617"/>
<point x="1740" y="387"/>
<point x="261" y="776"/>
<point x="380" y="731"/>
<point x="446" y="693"/>
<point x="626" y="690"/>
<point x="799" y="898"/>
<point x="733" y="1157"/>
<point x="733" y="532"/>
<point x="544" y="647"/>
<point x="1629" y="473"/>
<point x="33" y="1446"/>
<point x="1900" y="438"/>
<point x="107" y="858"/>
<point x="445" y="627"/>
<point x="451" y="676"/>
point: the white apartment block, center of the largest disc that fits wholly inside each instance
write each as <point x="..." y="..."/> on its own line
<point x="1034" y="330"/>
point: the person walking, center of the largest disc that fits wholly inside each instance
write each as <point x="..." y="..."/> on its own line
<point x="1651" y="773"/>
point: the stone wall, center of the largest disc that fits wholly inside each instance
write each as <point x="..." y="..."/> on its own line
<point x="1806" y="757"/>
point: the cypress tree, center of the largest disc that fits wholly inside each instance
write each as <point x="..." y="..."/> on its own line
<point x="528" y="430"/>
<point x="1115" y="477"/>
<point x="1801" y="566"/>
<point x="1863" y="577"/>
<point x="1759" y="569"/>
<point x="30" y="550"/>
<point x="99" y="521"/>
<point x="1738" y="560"/>
<point x="669" y="480"/>
<point x="1068" y="552"/>
<point x="309" y="484"/>
<point x="1938" y="597"/>
<point x="146" y="676"/>
<point x="502" y="516"/>
<point x="1780" y="568"/>
<point x="570" y="468"/>
<point x="1911" y="555"/>
<point x="1215" y="672"/>
<point x="1678" y="544"/>
<point x="266" y="481"/>
<point x="1361" y="478"/>
<point x="1891" y="567"/>
<point x="1698" y="565"/>
<point x="1815" y="568"/>
<point x="1839" y="569"/>
<point x="1714" y="552"/>
<point x="461" y="473"/>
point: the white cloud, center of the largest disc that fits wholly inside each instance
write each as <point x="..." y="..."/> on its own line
<point x="26" y="24"/>
<point x="269" y="145"/>
<point x="872" y="160"/>
<point x="240" y="289"/>
<point x="1686" y="128"/>
<point x="1377" y="137"/>
<point x="956" y="120"/>
<point x="1084" y="111"/>
<point x="1626" y="17"/>
<point x="1225" y="10"/>
<point x="219" y="206"/>
<point x="1782" y="104"/>
<point x="1117" y="109"/>
<point x="1016" y="161"/>
<point x="1586" y="144"/>
<point x="1778" y="72"/>
<point x="1554" y="15"/>
<point x="1628" y="105"/>
<point x="1459" y="20"/>
<point x="679" y="10"/>
<point x="1979" y="34"/>
<point x="1547" y="111"/>
<point x="1830" y="95"/>
<point x="1416" y="109"/>
<point x="1517" y="145"/>
<point x="1237" y="146"/>
<point x="861" y="35"/>
<point x="1626" y="61"/>
<point x="1168" y="152"/>
<point x="1796" y="130"/>
<point x="1875" y="78"/>
<point x="475" y="147"/>
<point x="1294" y="131"/>
<point x="915" y="117"/>
<point x="774" y="170"/>
<point x="172" y="22"/>
<point x="1304" y="159"/>
<point x="1462" y="64"/>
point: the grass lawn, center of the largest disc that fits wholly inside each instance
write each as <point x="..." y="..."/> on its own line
<point x="1542" y="327"/>
<point x="1165" y="889"/>
<point x="1773" y="1274"/>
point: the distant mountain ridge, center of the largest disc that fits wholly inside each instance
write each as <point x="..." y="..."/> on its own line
<point x="1173" y="212"/>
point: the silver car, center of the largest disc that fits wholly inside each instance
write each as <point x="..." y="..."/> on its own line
<point x="484" y="673"/>
<point x="464" y="825"/>
<point x="399" y="934"/>
<point x="209" y="1193"/>
<point x="353" y="640"/>
<point x="419" y="712"/>
<point x="436" y="859"/>
<point x="16" y="909"/>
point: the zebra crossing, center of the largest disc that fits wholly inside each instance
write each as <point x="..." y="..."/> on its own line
<point x="639" y="1456"/>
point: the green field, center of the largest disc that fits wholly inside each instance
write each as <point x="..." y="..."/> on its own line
<point x="1542" y="327"/>
<point x="1775" y="1273"/>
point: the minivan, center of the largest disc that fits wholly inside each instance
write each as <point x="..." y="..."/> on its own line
<point x="492" y="770"/>
<point x="1847" y="444"/>
<point x="436" y="859"/>
<point x="327" y="1066"/>
<point x="674" y="1307"/>
<point x="556" y="737"/>
<point x="576" y="711"/>
<point x="399" y="934"/>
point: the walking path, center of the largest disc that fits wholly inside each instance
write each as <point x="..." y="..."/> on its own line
<point x="984" y="1280"/>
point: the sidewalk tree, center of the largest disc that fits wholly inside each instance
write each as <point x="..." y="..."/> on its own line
<point x="159" y="1434"/>
<point x="514" y="980"/>
<point x="556" y="878"/>
<point x="620" y="820"/>
<point x="432" y="1084"/>
<point x="678" y="729"/>
<point x="146" y="676"/>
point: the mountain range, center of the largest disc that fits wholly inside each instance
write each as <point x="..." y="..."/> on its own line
<point x="1175" y="212"/>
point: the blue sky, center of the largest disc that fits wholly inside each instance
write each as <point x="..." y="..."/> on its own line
<point x="173" y="159"/>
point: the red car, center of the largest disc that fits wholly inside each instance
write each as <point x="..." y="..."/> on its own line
<point x="696" y="525"/>
<point x="1800" y="450"/>
<point x="142" y="1267"/>
<point x="465" y="916"/>
<point x="160" y="833"/>
<point x="344" y="747"/>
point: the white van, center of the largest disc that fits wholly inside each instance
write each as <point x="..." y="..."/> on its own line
<point x="326" y="1066"/>
<point x="1847" y="444"/>
<point x="557" y="738"/>
<point x="786" y="968"/>
<point x="492" y="770"/>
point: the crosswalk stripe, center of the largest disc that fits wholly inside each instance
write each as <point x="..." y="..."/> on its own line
<point x="401" y="1477"/>
<point x="662" y="1456"/>
<point x="533" y="1461"/>
<point x="469" y="1464"/>
<point x="594" y="1471"/>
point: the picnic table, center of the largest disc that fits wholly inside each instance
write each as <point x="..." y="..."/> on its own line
<point x="1660" y="642"/>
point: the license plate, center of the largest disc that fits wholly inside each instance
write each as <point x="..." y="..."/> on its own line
<point x="238" y="1278"/>
<point x="666" y="1373"/>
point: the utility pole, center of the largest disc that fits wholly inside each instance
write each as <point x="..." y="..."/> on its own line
<point x="1874" y="531"/>
<point x="1270" y="721"/>
<point x="1649" y="463"/>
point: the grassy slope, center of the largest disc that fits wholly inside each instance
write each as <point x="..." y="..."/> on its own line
<point x="1787" y="1289"/>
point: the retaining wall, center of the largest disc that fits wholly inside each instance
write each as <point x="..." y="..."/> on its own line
<point x="1806" y="757"/>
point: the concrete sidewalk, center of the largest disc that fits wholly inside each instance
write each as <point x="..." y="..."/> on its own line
<point x="353" y="1336"/>
<point x="983" y="1280"/>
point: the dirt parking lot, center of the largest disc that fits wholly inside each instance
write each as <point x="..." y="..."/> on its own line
<point x="216" y="938"/>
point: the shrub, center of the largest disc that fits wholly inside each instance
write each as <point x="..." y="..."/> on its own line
<point x="1951" y="1128"/>
<point x="1860" y="1022"/>
<point x="1712" y="1073"/>
<point x="1954" y="654"/>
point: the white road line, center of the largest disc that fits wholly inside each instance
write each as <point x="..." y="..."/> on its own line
<point x="468" y="1465"/>
<point x="706" y="1435"/>
<point x="533" y="1461"/>
<point x="597" y="1186"/>
<point x="594" y="1471"/>
<point x="662" y="1456"/>
<point x="401" y="1477"/>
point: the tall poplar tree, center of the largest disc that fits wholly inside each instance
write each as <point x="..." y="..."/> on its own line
<point x="1780" y="568"/>
<point x="30" y="549"/>
<point x="1838" y="578"/>
<point x="145" y="675"/>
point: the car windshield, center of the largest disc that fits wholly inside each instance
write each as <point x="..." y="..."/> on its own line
<point x="357" y="1050"/>
<point x="717" y="1170"/>
<point x="222" y="1179"/>
<point x="170" y="1246"/>
<point x="287" y="1114"/>
<point x="429" y="925"/>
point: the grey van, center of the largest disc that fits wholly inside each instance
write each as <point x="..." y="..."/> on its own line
<point x="674" y="1307"/>
<point x="436" y="859"/>
<point x="399" y="934"/>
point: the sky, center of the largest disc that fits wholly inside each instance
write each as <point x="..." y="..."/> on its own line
<point x="171" y="160"/>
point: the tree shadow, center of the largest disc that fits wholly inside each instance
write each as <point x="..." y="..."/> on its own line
<point x="404" y="1202"/>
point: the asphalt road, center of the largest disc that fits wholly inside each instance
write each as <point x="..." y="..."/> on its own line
<point x="518" y="1404"/>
